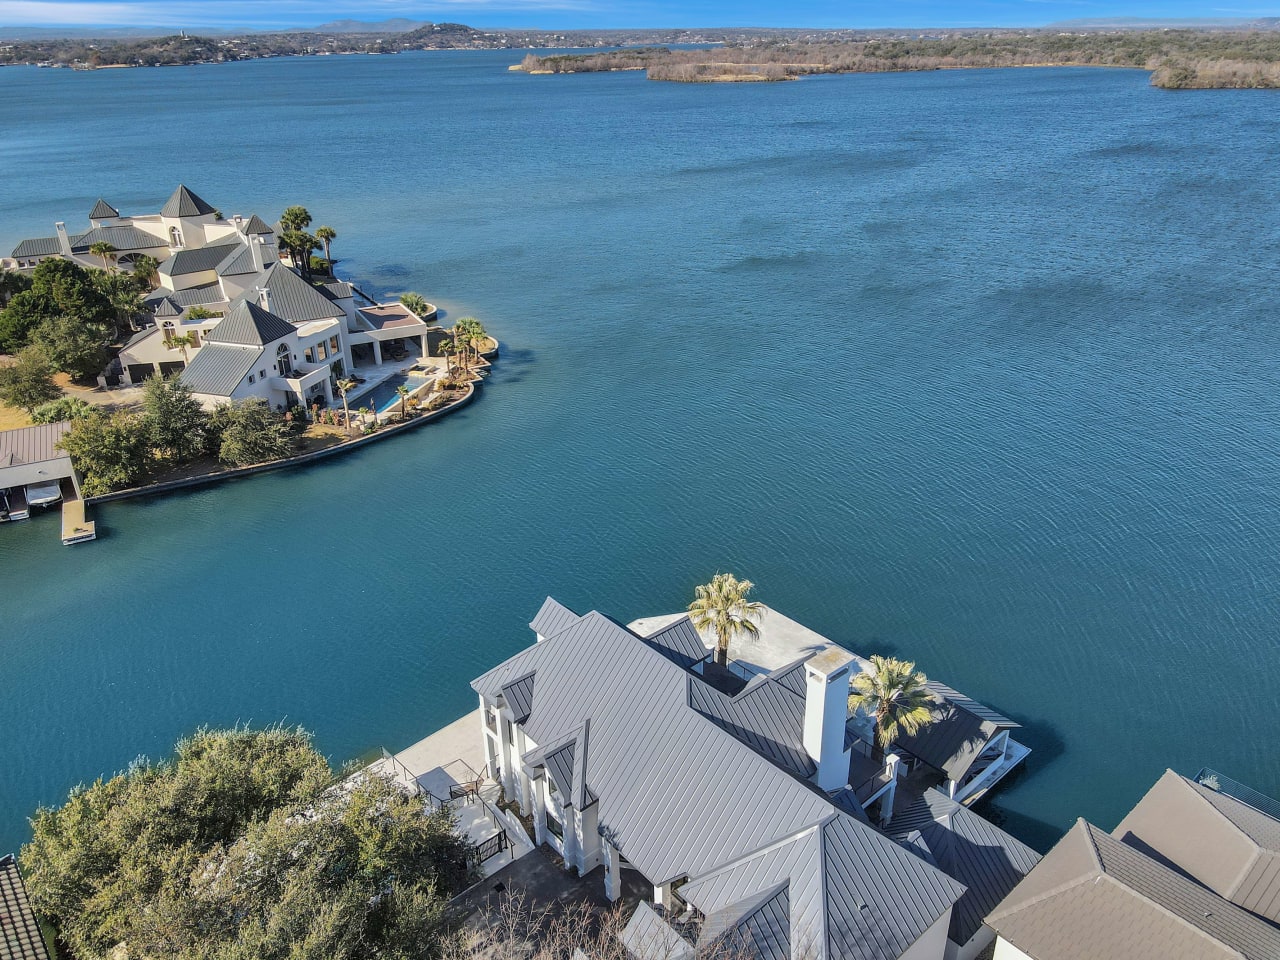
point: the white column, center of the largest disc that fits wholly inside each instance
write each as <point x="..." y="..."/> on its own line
<point x="539" y="815"/>
<point x="377" y="352"/>
<point x="892" y="762"/>
<point x="572" y="848"/>
<point x="508" y="762"/>
<point x="612" y="869"/>
<point x="662" y="895"/>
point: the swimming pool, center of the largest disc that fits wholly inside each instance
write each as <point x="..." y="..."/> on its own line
<point x="383" y="397"/>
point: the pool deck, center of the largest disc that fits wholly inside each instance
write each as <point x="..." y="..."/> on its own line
<point x="376" y="376"/>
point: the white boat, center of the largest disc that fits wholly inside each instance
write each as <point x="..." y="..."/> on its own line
<point x="15" y="502"/>
<point x="44" y="494"/>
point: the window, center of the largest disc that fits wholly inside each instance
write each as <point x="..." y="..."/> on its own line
<point x="168" y="329"/>
<point x="554" y="825"/>
<point x="310" y="355"/>
<point x="262" y="374"/>
<point x="251" y="378"/>
<point x="175" y="238"/>
<point x="195" y="338"/>
<point x="324" y="354"/>
<point x="333" y="344"/>
<point x="283" y="361"/>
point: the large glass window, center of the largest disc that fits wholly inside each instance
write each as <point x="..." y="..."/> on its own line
<point x="333" y="344"/>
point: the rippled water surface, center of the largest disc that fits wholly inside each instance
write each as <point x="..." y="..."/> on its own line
<point x="976" y="368"/>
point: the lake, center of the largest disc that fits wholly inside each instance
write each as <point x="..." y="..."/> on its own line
<point x="975" y="368"/>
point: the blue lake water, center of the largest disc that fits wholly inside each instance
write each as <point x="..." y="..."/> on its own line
<point x="977" y="368"/>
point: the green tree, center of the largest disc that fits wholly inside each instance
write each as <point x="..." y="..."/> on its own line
<point x="63" y="408"/>
<point x="894" y="693"/>
<point x="403" y="393"/>
<point x="344" y="387"/>
<point x="175" y="419"/>
<point x="295" y="218"/>
<point x="415" y="303"/>
<point x="59" y="288"/>
<point x="104" y="252"/>
<point x="327" y="235"/>
<point x="299" y="244"/>
<point x="111" y="451"/>
<point x="183" y="342"/>
<point x="74" y="346"/>
<point x="146" y="273"/>
<point x="123" y="294"/>
<point x="471" y="335"/>
<point x="449" y="349"/>
<point x="237" y="849"/>
<point x="200" y="313"/>
<point x="12" y="283"/>
<point x="248" y="432"/>
<point x="722" y="606"/>
<point x="28" y="382"/>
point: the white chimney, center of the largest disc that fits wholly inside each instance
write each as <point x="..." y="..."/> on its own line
<point x="826" y="707"/>
<point x="255" y="249"/>
<point x="264" y="298"/>
<point x="64" y="242"/>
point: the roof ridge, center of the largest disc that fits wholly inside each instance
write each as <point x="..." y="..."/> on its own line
<point x="1194" y="789"/>
<point x="765" y="848"/>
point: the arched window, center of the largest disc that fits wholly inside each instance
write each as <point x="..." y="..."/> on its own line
<point x="283" y="362"/>
<point x="168" y="330"/>
<point x="175" y="237"/>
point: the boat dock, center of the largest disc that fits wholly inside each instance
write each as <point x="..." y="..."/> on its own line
<point x="75" y="528"/>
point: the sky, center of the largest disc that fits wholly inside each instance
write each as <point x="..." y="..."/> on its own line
<point x="600" y="14"/>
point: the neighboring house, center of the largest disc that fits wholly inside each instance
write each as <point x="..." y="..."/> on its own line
<point x="207" y="265"/>
<point x="736" y="802"/>
<point x="20" y="936"/>
<point x="29" y="457"/>
<point x="1191" y="872"/>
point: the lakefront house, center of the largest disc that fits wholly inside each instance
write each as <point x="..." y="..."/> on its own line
<point x="229" y="314"/>
<point x="748" y="797"/>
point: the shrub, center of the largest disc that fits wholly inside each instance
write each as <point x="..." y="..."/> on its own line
<point x="64" y="408"/>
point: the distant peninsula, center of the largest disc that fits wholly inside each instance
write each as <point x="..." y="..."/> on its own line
<point x="1177" y="59"/>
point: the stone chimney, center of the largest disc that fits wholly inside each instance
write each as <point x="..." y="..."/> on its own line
<point x="826" y="707"/>
<point x="64" y="242"/>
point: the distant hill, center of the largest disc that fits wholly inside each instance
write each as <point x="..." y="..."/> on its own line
<point x="395" y="25"/>
<point x="97" y="33"/>
<point x="1168" y="23"/>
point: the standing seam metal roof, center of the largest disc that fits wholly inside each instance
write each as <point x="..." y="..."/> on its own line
<point x="248" y="324"/>
<point x="680" y="643"/>
<point x="184" y="203"/>
<point x="960" y="731"/>
<point x="103" y="211"/>
<point x="295" y="299"/>
<point x="30" y="445"/>
<point x="551" y="618"/>
<point x="199" y="259"/>
<point x="758" y="927"/>
<point x="20" y="936"/>
<point x="121" y="236"/>
<point x="36" y="247"/>
<point x="659" y="768"/>
<point x="219" y="368"/>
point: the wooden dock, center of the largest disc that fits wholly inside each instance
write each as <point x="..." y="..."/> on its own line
<point x="75" y="528"/>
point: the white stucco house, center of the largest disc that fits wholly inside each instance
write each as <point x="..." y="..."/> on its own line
<point x="744" y="803"/>
<point x="209" y="265"/>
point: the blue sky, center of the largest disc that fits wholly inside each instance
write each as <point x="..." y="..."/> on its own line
<point x="567" y="14"/>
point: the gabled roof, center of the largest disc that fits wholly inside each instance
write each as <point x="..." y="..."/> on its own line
<point x="248" y="324"/>
<point x="661" y="770"/>
<point x="184" y="203"/>
<point x="199" y="259"/>
<point x="20" y="937"/>
<point x="519" y="697"/>
<point x="551" y="618"/>
<point x="765" y="715"/>
<point x="255" y="226"/>
<point x="967" y="848"/>
<point x="1217" y="840"/>
<point x="295" y="299"/>
<point x="238" y="262"/>
<point x="758" y="927"/>
<point x="165" y="307"/>
<point x="36" y="247"/>
<point x="205" y="293"/>
<point x="103" y="211"/>
<point x="960" y="730"/>
<point x="679" y="642"/>
<point x="649" y="937"/>
<point x="337" y="290"/>
<point x="219" y="368"/>
<point x="1093" y="896"/>
<point x="121" y="236"/>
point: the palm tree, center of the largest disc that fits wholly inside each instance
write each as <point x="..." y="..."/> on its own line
<point x="325" y="235"/>
<point x="300" y="244"/>
<point x="345" y="386"/>
<point x="181" y="342"/>
<point x="403" y="393"/>
<point x="894" y="693"/>
<point x="147" y="270"/>
<point x="446" y="348"/>
<point x="722" y="606"/>
<point x="105" y="252"/>
<point x="414" y="303"/>
<point x="295" y="218"/>
<point x="472" y="333"/>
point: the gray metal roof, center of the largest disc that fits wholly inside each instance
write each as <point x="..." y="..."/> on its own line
<point x="758" y="927"/>
<point x="184" y="203"/>
<point x="1093" y="896"/>
<point x="649" y="937"/>
<point x="679" y="642"/>
<point x="199" y="259"/>
<point x="165" y="307"/>
<point x="238" y="263"/>
<point x="967" y="848"/>
<point x="662" y="772"/>
<point x="256" y="226"/>
<point x="27" y="445"/>
<point x="765" y="715"/>
<point x="20" y="937"/>
<point x="519" y="697"/>
<point x="960" y="730"/>
<point x="551" y="618"/>
<point x="1217" y="840"/>
<point x="36" y="247"/>
<point x="103" y="211"/>
<point x="249" y="324"/>
<point x="295" y="299"/>
<point x="219" y="368"/>
<point x="121" y="236"/>
<point x="337" y="290"/>
<point x="206" y="293"/>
